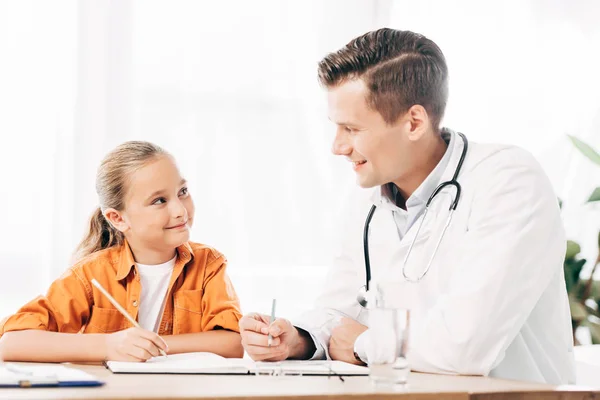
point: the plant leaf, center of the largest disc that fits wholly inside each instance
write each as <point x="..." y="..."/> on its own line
<point x="595" y="290"/>
<point x="586" y="149"/>
<point x="595" y="196"/>
<point x="578" y="311"/>
<point x="573" y="248"/>
<point x="594" y="330"/>
<point x="573" y="269"/>
<point x="590" y="307"/>
<point x="577" y="291"/>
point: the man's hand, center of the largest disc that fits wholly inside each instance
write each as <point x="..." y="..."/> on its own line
<point x="343" y="336"/>
<point x="287" y="341"/>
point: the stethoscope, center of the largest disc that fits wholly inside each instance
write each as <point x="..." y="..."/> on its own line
<point x="362" y="293"/>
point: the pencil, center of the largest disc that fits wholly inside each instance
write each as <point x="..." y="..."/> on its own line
<point x="120" y="308"/>
<point x="270" y="339"/>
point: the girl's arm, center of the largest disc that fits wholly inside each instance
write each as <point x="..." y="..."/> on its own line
<point x="44" y="346"/>
<point x="222" y="342"/>
<point x="133" y="344"/>
<point x="220" y="317"/>
<point x="32" y="333"/>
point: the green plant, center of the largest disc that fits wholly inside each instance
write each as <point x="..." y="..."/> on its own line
<point x="593" y="156"/>
<point x="584" y="295"/>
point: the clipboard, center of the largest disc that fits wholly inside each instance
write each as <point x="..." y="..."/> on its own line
<point x="14" y="375"/>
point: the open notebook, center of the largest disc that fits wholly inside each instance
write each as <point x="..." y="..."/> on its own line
<point x="44" y="375"/>
<point x="209" y="363"/>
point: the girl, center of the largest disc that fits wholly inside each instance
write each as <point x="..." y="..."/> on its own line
<point x="137" y="248"/>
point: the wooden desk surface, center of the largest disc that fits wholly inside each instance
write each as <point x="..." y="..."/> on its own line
<point x="421" y="386"/>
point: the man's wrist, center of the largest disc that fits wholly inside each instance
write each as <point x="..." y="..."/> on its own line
<point x="359" y="348"/>
<point x="357" y="357"/>
<point x="304" y="346"/>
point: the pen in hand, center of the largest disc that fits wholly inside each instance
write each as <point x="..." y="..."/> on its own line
<point x="270" y="340"/>
<point x="120" y="308"/>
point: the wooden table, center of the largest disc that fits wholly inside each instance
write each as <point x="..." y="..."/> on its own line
<point x="421" y="386"/>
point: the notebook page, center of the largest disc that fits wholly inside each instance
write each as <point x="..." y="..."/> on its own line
<point x="185" y="363"/>
<point x="313" y="367"/>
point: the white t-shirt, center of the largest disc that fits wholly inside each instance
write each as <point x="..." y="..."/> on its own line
<point x="155" y="283"/>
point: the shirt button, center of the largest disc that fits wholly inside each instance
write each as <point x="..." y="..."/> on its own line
<point x="135" y="303"/>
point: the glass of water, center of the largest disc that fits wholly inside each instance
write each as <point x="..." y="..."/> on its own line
<point x="387" y="345"/>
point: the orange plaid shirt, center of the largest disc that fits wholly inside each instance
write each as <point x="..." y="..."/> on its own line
<point x="200" y="295"/>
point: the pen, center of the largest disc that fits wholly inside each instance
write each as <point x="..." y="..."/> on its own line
<point x="270" y="340"/>
<point x="120" y="308"/>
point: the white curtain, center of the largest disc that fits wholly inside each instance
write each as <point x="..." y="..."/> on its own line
<point x="230" y="89"/>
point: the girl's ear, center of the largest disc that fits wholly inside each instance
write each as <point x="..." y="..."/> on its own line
<point x="115" y="218"/>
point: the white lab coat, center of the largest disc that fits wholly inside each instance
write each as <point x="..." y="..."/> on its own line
<point x="494" y="301"/>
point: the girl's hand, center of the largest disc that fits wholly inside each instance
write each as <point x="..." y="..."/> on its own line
<point x="133" y="344"/>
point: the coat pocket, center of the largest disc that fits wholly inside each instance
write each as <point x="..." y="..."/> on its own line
<point x="105" y="320"/>
<point x="187" y="316"/>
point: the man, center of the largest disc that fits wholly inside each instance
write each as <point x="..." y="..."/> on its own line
<point x="484" y="282"/>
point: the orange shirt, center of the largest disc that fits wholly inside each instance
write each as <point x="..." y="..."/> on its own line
<point x="200" y="295"/>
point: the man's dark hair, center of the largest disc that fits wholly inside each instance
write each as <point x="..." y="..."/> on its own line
<point x="399" y="68"/>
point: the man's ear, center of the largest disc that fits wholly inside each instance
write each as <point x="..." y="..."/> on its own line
<point x="418" y="120"/>
<point x="115" y="218"/>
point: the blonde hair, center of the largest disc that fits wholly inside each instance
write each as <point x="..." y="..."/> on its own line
<point x="111" y="186"/>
